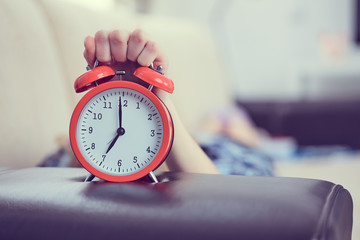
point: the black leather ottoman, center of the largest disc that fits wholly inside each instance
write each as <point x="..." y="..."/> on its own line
<point x="55" y="203"/>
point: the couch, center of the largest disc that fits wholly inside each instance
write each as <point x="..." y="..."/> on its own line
<point x="41" y="48"/>
<point x="56" y="203"/>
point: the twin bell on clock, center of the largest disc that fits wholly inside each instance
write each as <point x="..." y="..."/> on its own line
<point x="120" y="130"/>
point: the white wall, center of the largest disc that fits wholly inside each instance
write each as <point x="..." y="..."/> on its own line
<point x="276" y="49"/>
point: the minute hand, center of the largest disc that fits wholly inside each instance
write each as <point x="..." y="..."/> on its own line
<point x="120" y="113"/>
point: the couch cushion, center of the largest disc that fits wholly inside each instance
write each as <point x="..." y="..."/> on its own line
<point x="33" y="99"/>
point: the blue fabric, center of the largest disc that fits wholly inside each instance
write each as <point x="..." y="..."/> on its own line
<point x="233" y="158"/>
<point x="58" y="159"/>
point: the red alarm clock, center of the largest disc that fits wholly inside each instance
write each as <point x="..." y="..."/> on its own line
<point x="120" y="130"/>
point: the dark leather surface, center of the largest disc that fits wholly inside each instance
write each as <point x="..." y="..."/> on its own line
<point x="54" y="203"/>
<point x="311" y="123"/>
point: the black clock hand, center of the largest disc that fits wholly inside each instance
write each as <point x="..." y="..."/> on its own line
<point x="120" y="131"/>
<point x="113" y="142"/>
<point x="120" y="113"/>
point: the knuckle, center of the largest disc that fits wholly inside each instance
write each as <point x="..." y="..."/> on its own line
<point x="101" y="35"/>
<point x="138" y="36"/>
<point x="152" y="47"/>
<point x="119" y="36"/>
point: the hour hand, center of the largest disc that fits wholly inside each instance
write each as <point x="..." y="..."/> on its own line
<point x="119" y="133"/>
<point x="112" y="143"/>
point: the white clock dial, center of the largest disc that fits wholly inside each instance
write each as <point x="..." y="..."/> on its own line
<point x="119" y="131"/>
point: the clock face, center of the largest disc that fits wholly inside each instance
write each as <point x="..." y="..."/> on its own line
<point x="122" y="131"/>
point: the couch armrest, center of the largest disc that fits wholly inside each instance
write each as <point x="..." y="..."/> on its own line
<point x="55" y="203"/>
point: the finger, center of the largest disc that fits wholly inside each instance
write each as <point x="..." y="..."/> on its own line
<point x="148" y="54"/>
<point x="89" y="52"/>
<point x="102" y="47"/>
<point x="152" y="54"/>
<point x="161" y="60"/>
<point x="136" y="44"/>
<point x="118" y="44"/>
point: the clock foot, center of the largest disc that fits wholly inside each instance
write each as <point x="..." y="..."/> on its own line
<point x="153" y="177"/>
<point x="89" y="178"/>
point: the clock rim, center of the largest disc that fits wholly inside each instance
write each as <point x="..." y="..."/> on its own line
<point x="168" y="131"/>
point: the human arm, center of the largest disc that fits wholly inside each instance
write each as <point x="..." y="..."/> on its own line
<point x="120" y="46"/>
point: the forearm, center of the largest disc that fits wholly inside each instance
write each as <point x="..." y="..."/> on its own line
<point x="186" y="155"/>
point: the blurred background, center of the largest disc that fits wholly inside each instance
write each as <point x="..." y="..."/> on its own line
<point x="287" y="72"/>
<point x="274" y="49"/>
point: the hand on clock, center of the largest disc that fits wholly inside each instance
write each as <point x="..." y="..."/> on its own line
<point x="136" y="46"/>
<point x="121" y="46"/>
